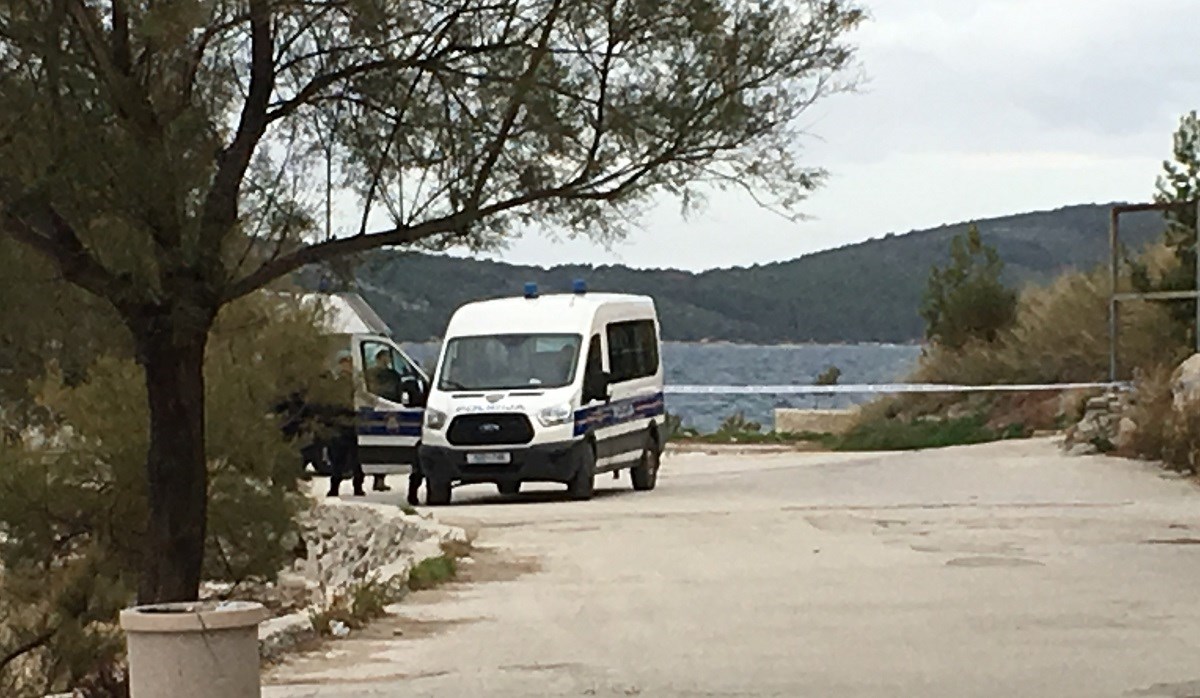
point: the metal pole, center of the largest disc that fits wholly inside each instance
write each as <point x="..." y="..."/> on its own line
<point x="1198" y="275"/>
<point x="1114" y="270"/>
<point x="329" y="191"/>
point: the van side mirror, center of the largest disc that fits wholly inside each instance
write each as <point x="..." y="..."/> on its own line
<point x="415" y="390"/>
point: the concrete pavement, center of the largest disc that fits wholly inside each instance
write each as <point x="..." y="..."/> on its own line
<point x="997" y="570"/>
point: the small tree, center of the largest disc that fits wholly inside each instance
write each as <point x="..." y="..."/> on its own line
<point x="164" y="155"/>
<point x="1179" y="183"/>
<point x="829" y="376"/>
<point x="966" y="300"/>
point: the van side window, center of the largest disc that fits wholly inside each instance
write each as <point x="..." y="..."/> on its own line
<point x="386" y="372"/>
<point x="632" y="350"/>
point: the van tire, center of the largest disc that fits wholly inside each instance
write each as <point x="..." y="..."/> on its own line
<point x="583" y="485"/>
<point x="509" y="489"/>
<point x="437" y="492"/>
<point x="645" y="473"/>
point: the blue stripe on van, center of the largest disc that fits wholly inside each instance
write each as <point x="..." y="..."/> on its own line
<point x="390" y="422"/>
<point x="618" y="412"/>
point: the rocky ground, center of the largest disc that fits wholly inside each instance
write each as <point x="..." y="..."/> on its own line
<point x="344" y="542"/>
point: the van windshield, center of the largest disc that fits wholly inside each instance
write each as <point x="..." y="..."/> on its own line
<point x="510" y="362"/>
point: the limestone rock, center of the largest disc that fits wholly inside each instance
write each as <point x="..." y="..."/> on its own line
<point x="1126" y="433"/>
<point x="1101" y="424"/>
<point x="1185" y="382"/>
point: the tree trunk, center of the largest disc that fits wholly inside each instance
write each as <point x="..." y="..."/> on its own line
<point x="176" y="472"/>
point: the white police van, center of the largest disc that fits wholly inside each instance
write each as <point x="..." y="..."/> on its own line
<point x="554" y="388"/>
<point x="389" y="387"/>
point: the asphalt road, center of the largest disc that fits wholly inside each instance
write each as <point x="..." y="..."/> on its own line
<point x="1001" y="570"/>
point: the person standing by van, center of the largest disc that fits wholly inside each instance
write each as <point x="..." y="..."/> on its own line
<point x="339" y="422"/>
<point x="414" y="483"/>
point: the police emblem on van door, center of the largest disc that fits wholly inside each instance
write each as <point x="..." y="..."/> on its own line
<point x="623" y="411"/>
<point x="393" y="424"/>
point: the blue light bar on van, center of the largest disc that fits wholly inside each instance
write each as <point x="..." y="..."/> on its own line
<point x="578" y="286"/>
<point x="531" y="290"/>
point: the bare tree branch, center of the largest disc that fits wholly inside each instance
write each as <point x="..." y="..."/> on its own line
<point x="122" y="58"/>
<point x="521" y="90"/>
<point x="42" y="229"/>
<point x="221" y="204"/>
<point x="196" y="57"/>
<point x="26" y="647"/>
<point x="318" y="84"/>
<point x="402" y="235"/>
<point x="130" y="101"/>
<point x="377" y="171"/>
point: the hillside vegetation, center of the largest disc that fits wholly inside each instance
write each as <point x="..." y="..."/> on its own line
<point x="867" y="292"/>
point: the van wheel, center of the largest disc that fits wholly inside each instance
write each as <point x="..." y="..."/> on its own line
<point x="583" y="485"/>
<point x="645" y="473"/>
<point x="437" y="492"/>
<point x="509" y="488"/>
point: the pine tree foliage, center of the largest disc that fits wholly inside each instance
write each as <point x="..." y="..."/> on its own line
<point x="966" y="299"/>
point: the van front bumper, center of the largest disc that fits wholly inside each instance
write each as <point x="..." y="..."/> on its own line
<point x="555" y="462"/>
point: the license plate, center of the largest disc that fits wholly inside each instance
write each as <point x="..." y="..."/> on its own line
<point x="488" y="458"/>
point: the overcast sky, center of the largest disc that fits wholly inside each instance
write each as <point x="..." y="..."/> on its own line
<point x="971" y="109"/>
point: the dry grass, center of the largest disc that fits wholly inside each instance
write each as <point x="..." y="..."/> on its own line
<point x="1153" y="413"/>
<point x="362" y="603"/>
<point x="1163" y="433"/>
<point x="1060" y="335"/>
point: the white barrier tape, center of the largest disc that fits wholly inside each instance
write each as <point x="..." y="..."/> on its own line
<point x="880" y="388"/>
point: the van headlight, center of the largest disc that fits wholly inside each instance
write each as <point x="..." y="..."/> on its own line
<point x="556" y="415"/>
<point x="434" y="419"/>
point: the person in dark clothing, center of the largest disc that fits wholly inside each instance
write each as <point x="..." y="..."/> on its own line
<point x="341" y="424"/>
<point x="296" y="417"/>
<point x="344" y="463"/>
<point x="414" y="482"/>
<point x="329" y="420"/>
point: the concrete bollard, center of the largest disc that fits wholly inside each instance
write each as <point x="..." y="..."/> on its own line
<point x="204" y="649"/>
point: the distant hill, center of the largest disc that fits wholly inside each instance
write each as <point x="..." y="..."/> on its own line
<point x="866" y="292"/>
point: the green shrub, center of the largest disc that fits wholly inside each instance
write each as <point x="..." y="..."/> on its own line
<point x="431" y="572"/>
<point x="673" y="427"/>
<point x="1060" y="334"/>
<point x="72" y="511"/>
<point x="829" y="376"/>
<point x="737" y="425"/>
<point x="898" y="435"/>
<point x="765" y="437"/>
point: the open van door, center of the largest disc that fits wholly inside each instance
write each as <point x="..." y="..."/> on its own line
<point x="390" y="404"/>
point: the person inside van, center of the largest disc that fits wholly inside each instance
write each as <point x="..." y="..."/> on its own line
<point x="383" y="379"/>
<point x="564" y="364"/>
<point x="556" y="367"/>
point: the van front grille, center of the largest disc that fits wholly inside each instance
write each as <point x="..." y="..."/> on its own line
<point x="490" y="430"/>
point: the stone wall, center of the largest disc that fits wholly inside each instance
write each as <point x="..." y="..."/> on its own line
<point x="1105" y="426"/>
<point x="799" y="421"/>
